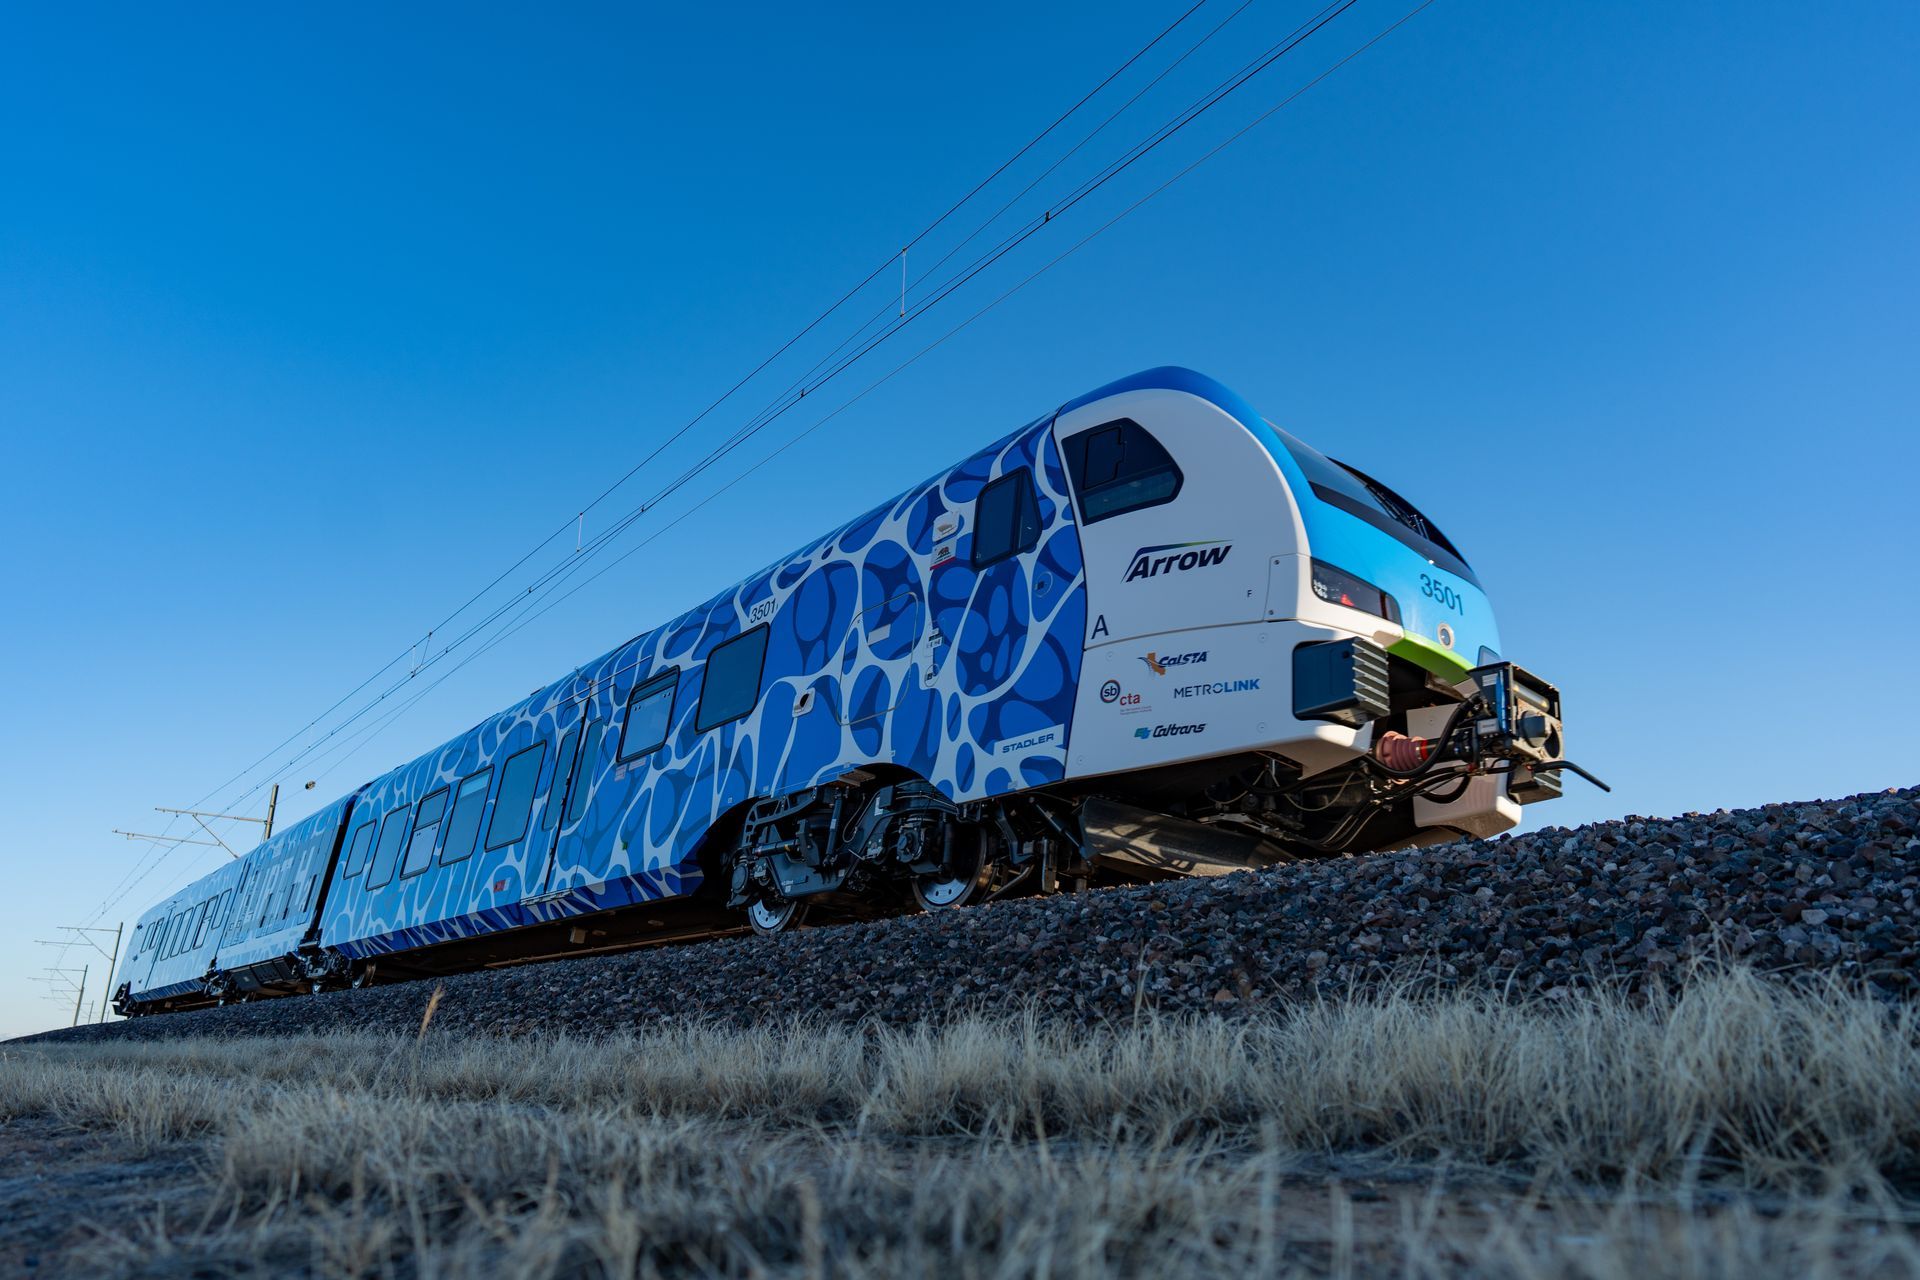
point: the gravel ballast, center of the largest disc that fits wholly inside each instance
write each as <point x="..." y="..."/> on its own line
<point x="1790" y="889"/>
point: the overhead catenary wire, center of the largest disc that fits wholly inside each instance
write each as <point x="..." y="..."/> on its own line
<point x="881" y="312"/>
<point x="1048" y="216"/>
<point x="572" y="563"/>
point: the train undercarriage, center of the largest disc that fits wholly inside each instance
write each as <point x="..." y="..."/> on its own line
<point x="869" y="838"/>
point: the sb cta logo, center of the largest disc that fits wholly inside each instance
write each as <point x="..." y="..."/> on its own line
<point x="1170" y="730"/>
<point x="1110" y="691"/>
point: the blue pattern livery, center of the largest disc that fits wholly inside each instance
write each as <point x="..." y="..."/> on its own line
<point x="884" y="644"/>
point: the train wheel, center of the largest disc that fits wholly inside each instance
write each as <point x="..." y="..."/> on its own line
<point x="964" y="882"/>
<point x="769" y="916"/>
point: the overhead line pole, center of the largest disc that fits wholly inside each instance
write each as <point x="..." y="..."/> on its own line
<point x="79" y="992"/>
<point x="112" y="957"/>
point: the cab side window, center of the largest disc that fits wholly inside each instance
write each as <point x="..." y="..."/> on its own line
<point x="1006" y="519"/>
<point x="1119" y="467"/>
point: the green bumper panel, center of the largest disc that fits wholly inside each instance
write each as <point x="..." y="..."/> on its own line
<point x="1422" y="652"/>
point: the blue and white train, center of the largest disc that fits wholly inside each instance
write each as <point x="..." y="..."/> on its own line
<point x="1147" y="634"/>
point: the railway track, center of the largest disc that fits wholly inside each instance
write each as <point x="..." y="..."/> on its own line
<point x="1823" y="887"/>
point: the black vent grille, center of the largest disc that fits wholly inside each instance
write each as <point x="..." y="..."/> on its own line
<point x="1344" y="681"/>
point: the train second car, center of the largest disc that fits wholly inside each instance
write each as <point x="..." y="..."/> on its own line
<point x="1147" y="634"/>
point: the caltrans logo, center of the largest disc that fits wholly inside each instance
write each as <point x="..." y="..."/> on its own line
<point x="1170" y="730"/>
<point x="1176" y="557"/>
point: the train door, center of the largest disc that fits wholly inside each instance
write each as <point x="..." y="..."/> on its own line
<point x="567" y="801"/>
<point x="884" y="645"/>
<point x="579" y="742"/>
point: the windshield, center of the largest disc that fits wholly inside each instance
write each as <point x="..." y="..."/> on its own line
<point x="1358" y="494"/>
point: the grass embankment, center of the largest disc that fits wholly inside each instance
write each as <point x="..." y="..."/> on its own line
<point x="1737" y="1129"/>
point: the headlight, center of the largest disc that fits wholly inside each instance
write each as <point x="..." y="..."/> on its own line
<point x="1337" y="586"/>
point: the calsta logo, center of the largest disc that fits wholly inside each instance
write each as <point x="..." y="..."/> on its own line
<point x="1158" y="663"/>
<point x="1176" y="557"/>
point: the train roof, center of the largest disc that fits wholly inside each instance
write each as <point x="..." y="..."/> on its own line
<point x="1173" y="377"/>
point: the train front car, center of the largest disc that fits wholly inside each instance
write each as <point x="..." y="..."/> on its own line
<point x="1283" y="657"/>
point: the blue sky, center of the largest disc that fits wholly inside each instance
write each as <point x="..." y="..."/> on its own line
<point x="313" y="321"/>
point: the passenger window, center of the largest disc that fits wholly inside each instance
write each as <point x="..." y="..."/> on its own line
<point x="1119" y="467"/>
<point x="357" y="851"/>
<point x="199" y="926"/>
<point x="306" y="903"/>
<point x="562" y="771"/>
<point x="732" y="684"/>
<point x="518" y="778"/>
<point x="464" y="826"/>
<point x="1006" y="519"/>
<point x="649" y="715"/>
<point x="393" y="830"/>
<point x="426" y="829"/>
<point x="583" y="771"/>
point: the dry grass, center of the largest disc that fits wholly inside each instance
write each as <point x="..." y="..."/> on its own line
<point x="1737" y="1129"/>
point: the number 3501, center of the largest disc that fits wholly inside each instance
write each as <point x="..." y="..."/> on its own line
<point x="1439" y="591"/>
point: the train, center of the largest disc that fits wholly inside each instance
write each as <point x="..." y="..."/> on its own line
<point x="1148" y="634"/>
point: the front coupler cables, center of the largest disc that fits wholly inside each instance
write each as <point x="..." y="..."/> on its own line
<point x="1509" y="723"/>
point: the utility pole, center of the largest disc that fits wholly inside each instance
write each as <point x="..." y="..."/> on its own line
<point x="79" y="995"/>
<point x="112" y="957"/>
